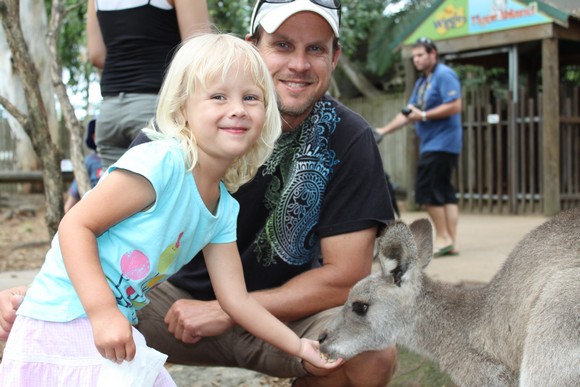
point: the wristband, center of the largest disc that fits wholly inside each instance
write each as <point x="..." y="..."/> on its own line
<point x="423" y="116"/>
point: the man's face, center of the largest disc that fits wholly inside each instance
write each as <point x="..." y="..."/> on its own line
<point x="301" y="59"/>
<point x="423" y="60"/>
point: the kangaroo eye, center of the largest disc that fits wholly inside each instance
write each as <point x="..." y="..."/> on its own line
<point x="360" y="308"/>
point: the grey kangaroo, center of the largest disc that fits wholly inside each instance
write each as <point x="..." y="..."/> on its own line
<point x="521" y="328"/>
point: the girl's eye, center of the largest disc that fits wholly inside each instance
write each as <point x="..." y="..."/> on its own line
<point x="219" y="97"/>
<point x="251" y="98"/>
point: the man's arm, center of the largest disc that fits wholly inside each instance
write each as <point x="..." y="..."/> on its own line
<point x="192" y="17"/>
<point x="347" y="258"/>
<point x="396" y="123"/>
<point x="444" y="110"/>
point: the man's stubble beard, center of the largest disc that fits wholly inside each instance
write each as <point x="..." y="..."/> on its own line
<point x="297" y="111"/>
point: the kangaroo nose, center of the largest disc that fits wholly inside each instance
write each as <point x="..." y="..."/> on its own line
<point x="322" y="337"/>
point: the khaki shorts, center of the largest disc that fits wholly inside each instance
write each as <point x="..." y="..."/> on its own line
<point x="235" y="348"/>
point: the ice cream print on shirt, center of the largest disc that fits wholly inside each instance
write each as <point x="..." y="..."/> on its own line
<point x="138" y="277"/>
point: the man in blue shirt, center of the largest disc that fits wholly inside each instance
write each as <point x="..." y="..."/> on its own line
<point x="435" y="109"/>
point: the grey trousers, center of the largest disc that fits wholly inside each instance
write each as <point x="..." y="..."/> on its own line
<point x="120" y="119"/>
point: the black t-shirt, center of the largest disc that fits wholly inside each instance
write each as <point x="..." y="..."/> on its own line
<point x="324" y="178"/>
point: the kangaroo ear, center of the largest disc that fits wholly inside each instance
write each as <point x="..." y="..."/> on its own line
<point x="397" y="252"/>
<point x="423" y="234"/>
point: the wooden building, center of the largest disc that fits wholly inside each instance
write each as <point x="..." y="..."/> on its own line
<point x="521" y="153"/>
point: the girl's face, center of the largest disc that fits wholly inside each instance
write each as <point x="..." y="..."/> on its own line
<point x="227" y="117"/>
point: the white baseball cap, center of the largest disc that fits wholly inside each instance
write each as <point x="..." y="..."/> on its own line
<point x="271" y="15"/>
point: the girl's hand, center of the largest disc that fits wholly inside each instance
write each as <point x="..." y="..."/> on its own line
<point x="113" y="335"/>
<point x="309" y="353"/>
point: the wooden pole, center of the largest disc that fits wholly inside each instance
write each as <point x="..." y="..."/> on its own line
<point x="412" y="146"/>
<point x="551" y="126"/>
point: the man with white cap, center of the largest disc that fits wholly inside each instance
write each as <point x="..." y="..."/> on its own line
<point x="307" y="222"/>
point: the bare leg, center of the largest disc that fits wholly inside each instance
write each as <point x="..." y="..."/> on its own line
<point x="452" y="218"/>
<point x="439" y="219"/>
<point x="367" y="369"/>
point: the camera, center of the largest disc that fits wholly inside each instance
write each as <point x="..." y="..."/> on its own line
<point x="406" y="111"/>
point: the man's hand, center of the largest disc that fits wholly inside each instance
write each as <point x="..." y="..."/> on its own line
<point x="10" y="300"/>
<point x="415" y="114"/>
<point x="191" y="320"/>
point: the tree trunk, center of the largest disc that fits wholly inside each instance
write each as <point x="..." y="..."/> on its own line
<point x="35" y="123"/>
<point x="71" y="122"/>
<point x="357" y="78"/>
<point x="34" y="22"/>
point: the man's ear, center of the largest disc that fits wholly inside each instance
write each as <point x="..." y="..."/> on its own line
<point x="248" y="38"/>
<point x="336" y="55"/>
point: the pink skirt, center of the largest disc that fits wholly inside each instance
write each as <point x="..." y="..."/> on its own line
<point x="41" y="353"/>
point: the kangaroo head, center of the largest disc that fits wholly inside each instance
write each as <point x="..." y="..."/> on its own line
<point x="379" y="307"/>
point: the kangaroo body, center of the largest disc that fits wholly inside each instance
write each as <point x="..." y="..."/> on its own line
<point x="523" y="328"/>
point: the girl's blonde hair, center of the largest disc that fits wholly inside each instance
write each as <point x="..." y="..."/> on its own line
<point x="200" y="60"/>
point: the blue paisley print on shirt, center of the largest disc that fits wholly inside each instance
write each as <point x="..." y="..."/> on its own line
<point x="301" y="167"/>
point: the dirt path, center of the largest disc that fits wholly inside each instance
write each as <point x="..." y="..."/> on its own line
<point x="484" y="242"/>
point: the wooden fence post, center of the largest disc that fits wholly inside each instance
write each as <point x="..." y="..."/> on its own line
<point x="551" y="126"/>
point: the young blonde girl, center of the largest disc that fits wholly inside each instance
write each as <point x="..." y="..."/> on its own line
<point x="153" y="210"/>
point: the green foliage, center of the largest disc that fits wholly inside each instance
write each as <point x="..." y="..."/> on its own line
<point x="368" y="36"/>
<point x="571" y="74"/>
<point x="72" y="44"/>
<point x="388" y="32"/>
<point x="494" y="78"/>
<point x="359" y="18"/>
<point x="231" y="16"/>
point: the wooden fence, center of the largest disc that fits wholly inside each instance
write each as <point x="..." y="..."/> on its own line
<point x="500" y="167"/>
<point x="378" y="111"/>
<point x="7" y="154"/>
<point x="570" y="149"/>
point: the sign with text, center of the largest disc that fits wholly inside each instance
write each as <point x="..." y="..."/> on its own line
<point x="457" y="18"/>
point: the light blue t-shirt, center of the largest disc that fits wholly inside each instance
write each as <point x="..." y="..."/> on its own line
<point x="445" y="134"/>
<point x="143" y="250"/>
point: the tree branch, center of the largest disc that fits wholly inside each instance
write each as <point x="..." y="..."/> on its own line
<point x="357" y="78"/>
<point x="14" y="111"/>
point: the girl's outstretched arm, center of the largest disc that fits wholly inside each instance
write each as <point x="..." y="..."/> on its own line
<point x="227" y="278"/>
<point x="117" y="196"/>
